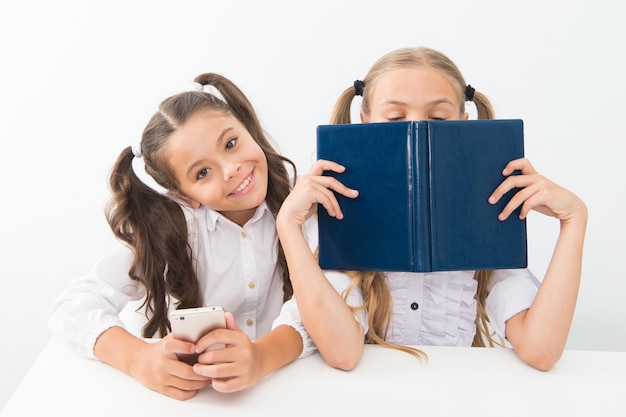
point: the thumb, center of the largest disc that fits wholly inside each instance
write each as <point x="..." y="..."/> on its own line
<point x="230" y="321"/>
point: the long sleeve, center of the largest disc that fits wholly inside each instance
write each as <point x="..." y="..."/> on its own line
<point x="91" y="304"/>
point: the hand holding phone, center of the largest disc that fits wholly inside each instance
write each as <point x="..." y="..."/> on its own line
<point x="190" y="324"/>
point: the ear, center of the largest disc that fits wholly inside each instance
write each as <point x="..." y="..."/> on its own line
<point x="193" y="203"/>
<point x="465" y="116"/>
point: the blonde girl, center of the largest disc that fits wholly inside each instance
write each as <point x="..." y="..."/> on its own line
<point x="460" y="308"/>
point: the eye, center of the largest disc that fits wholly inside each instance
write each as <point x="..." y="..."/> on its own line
<point x="395" y="116"/>
<point x="202" y="173"/>
<point x="231" y="144"/>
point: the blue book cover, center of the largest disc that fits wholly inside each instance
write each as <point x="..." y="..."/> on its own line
<point x="423" y="190"/>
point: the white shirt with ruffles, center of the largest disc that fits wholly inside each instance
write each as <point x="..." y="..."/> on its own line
<point x="434" y="309"/>
<point x="236" y="268"/>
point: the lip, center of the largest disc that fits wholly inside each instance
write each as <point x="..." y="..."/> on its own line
<point x="244" y="186"/>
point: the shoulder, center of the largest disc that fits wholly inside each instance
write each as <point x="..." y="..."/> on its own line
<point x="513" y="275"/>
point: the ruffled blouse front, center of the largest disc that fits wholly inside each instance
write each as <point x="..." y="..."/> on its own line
<point x="439" y="308"/>
<point x="433" y="308"/>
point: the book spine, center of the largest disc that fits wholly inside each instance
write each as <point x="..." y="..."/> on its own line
<point x="420" y="169"/>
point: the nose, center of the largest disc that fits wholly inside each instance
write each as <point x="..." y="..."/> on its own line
<point x="231" y="170"/>
<point x="415" y="116"/>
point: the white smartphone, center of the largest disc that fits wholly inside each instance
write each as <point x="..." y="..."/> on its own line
<point x="190" y="324"/>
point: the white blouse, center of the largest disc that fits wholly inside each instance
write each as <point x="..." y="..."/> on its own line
<point x="236" y="268"/>
<point x="437" y="308"/>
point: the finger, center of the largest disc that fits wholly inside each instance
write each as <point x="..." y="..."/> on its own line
<point x="322" y="165"/>
<point x="524" y="199"/>
<point x="172" y="346"/>
<point x="512" y="205"/>
<point x="329" y="183"/>
<point x="181" y="377"/>
<point x="189" y="381"/>
<point x="178" y="393"/>
<point x="220" y="337"/>
<point x="328" y="200"/>
<point x="221" y="370"/>
<point x="229" y="384"/>
<point x="514" y="181"/>
<point x="522" y="164"/>
<point x="230" y="321"/>
<point x="209" y="340"/>
<point x="316" y="190"/>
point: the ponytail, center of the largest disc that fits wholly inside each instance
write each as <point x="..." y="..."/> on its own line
<point x="343" y="108"/>
<point x="154" y="227"/>
<point x="484" y="109"/>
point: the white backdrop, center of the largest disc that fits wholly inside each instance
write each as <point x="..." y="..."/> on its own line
<point x="79" y="79"/>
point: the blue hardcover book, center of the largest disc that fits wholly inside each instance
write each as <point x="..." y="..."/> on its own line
<point x="423" y="196"/>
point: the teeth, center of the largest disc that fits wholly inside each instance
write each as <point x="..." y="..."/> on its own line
<point x="243" y="185"/>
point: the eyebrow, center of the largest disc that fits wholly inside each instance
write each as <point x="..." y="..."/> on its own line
<point x="430" y="103"/>
<point x="220" y="139"/>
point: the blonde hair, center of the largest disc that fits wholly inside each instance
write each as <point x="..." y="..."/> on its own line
<point x="377" y="298"/>
<point x="405" y="58"/>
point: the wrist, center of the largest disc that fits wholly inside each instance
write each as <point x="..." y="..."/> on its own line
<point x="120" y="349"/>
<point x="578" y="216"/>
<point x="286" y="226"/>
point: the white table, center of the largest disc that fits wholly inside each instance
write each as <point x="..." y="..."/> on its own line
<point x="456" y="381"/>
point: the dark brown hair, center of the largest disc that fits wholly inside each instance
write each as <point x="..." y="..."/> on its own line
<point x="153" y="224"/>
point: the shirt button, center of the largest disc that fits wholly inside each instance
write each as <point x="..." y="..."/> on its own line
<point x="249" y="322"/>
<point x="243" y="234"/>
<point x="414" y="306"/>
<point x="250" y="284"/>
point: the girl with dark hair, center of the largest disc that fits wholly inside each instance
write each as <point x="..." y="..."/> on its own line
<point x="210" y="240"/>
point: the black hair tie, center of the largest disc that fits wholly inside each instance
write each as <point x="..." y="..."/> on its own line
<point x="358" y="87"/>
<point x="469" y="93"/>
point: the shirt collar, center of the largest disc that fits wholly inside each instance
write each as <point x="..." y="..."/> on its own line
<point x="213" y="216"/>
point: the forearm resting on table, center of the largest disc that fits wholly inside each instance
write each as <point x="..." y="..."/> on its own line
<point x="327" y="318"/>
<point x="278" y="348"/>
<point x="539" y="334"/>
<point x="117" y="347"/>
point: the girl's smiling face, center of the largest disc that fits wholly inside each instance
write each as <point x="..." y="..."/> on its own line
<point x="414" y="93"/>
<point x="218" y="164"/>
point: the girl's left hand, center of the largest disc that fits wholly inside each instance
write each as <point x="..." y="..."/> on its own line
<point x="536" y="193"/>
<point x="233" y="368"/>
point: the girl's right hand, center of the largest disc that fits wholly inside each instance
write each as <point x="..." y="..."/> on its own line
<point x="314" y="188"/>
<point x="157" y="367"/>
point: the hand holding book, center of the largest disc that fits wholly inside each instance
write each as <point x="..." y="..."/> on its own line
<point x="424" y="196"/>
